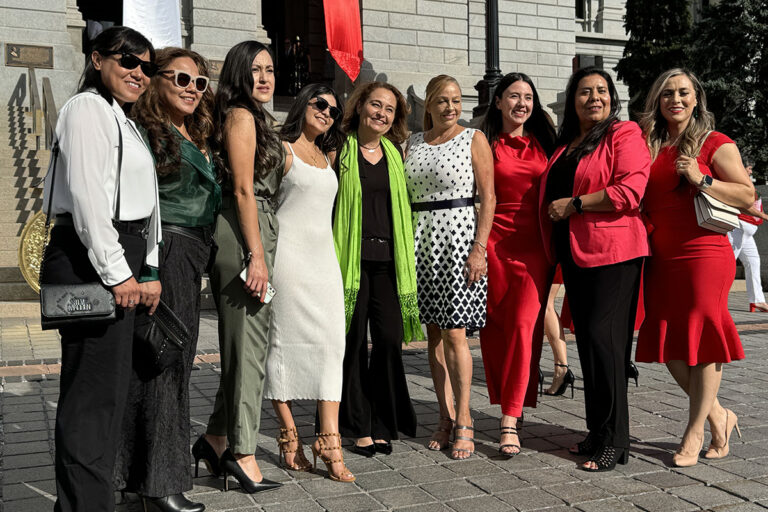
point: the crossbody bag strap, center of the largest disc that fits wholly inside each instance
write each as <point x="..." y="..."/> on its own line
<point x="119" y="167"/>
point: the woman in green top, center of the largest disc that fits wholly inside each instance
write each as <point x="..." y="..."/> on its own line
<point x="176" y="114"/>
<point x="251" y="169"/>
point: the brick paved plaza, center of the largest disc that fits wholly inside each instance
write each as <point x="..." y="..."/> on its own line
<point x="544" y="476"/>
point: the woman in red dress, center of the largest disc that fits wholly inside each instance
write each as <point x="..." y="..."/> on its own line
<point x="687" y="325"/>
<point x="522" y="137"/>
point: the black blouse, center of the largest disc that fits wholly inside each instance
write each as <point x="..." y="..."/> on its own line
<point x="559" y="185"/>
<point x="377" y="210"/>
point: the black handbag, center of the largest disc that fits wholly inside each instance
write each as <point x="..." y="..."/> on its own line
<point x="62" y="305"/>
<point x="158" y="340"/>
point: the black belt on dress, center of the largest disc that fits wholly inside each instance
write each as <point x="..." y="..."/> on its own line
<point x="129" y="227"/>
<point x="201" y="233"/>
<point x="443" y="205"/>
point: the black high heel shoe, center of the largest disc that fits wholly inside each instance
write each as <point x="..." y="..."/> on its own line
<point x="202" y="450"/>
<point x="568" y="379"/>
<point x="541" y="382"/>
<point x="174" y="503"/>
<point x="384" y="448"/>
<point x="229" y="466"/>
<point x="633" y="372"/>
<point x="606" y="458"/>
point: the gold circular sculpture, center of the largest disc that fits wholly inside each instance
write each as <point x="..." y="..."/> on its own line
<point x="31" y="249"/>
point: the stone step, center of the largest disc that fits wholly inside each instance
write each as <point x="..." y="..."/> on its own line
<point x="10" y="228"/>
<point x="20" y="309"/>
<point x="16" y="292"/>
<point x="9" y="258"/>
<point x="12" y="186"/>
<point x="9" y="243"/>
<point x="11" y="275"/>
<point x="29" y="203"/>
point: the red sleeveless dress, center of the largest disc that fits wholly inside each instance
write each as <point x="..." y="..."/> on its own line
<point x="689" y="274"/>
<point x="518" y="274"/>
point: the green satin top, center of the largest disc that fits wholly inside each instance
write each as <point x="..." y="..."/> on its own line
<point x="190" y="197"/>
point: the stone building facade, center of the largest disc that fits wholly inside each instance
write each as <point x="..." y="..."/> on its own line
<point x="405" y="42"/>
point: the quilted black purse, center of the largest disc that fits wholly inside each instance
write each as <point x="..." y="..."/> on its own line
<point x="158" y="340"/>
<point x="62" y="305"/>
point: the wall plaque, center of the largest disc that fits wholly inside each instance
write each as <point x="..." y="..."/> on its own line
<point x="25" y="55"/>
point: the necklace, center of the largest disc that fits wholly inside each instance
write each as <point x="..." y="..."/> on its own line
<point x="371" y="150"/>
<point x="313" y="154"/>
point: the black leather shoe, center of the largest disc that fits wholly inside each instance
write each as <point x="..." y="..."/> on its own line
<point x="202" y="449"/>
<point x="229" y="466"/>
<point x="383" y="448"/>
<point x="365" y="451"/>
<point x="174" y="503"/>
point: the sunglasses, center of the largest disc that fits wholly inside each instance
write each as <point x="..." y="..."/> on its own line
<point x="130" y="61"/>
<point x="182" y="79"/>
<point x="321" y="104"/>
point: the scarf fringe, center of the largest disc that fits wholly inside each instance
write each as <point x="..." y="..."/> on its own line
<point x="350" y="299"/>
<point x="409" y="308"/>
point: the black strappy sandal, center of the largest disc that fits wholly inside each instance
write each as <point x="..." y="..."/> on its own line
<point x="457" y="437"/>
<point x="508" y="430"/>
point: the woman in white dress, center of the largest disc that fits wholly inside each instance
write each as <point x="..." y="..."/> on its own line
<point x="446" y="164"/>
<point x="307" y="338"/>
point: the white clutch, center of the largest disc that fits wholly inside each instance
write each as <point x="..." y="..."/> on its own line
<point x="714" y="214"/>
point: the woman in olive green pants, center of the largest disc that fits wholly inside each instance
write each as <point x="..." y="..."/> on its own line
<point x="251" y="162"/>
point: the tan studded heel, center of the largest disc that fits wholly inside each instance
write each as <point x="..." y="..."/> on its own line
<point x="346" y="475"/>
<point x="289" y="436"/>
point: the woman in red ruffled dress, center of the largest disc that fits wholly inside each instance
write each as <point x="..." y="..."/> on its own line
<point x="687" y="324"/>
<point x="522" y="137"/>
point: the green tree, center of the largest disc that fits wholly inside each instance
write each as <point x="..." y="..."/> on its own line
<point x="729" y="54"/>
<point x="658" y="35"/>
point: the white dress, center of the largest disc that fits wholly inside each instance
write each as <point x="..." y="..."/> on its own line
<point x="444" y="237"/>
<point x="306" y="335"/>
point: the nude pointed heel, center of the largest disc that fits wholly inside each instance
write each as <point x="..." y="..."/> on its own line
<point x="718" y="452"/>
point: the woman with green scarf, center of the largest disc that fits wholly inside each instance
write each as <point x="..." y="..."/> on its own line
<point x="373" y="235"/>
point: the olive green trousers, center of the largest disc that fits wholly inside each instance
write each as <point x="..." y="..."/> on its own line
<point x="243" y="332"/>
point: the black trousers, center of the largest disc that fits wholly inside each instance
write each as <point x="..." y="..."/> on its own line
<point x="95" y="371"/>
<point x="603" y="302"/>
<point x="153" y="458"/>
<point x="374" y="396"/>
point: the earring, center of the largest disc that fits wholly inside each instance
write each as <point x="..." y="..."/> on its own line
<point x="696" y="112"/>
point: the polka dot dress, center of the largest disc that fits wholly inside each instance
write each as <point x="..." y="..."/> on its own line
<point x="443" y="238"/>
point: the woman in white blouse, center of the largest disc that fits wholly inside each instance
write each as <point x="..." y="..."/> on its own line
<point x="106" y="229"/>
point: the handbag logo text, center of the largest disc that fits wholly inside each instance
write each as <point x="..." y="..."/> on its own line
<point x="79" y="305"/>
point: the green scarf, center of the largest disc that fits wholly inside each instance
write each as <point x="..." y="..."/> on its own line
<point x="347" y="234"/>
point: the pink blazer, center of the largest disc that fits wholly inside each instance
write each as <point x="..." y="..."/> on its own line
<point x="620" y="164"/>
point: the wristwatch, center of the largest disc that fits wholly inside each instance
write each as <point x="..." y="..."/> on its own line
<point x="576" y="202"/>
<point x="706" y="182"/>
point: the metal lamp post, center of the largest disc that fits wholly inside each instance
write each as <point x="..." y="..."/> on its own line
<point x="485" y="87"/>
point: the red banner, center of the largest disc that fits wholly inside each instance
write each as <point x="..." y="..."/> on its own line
<point x="343" y="34"/>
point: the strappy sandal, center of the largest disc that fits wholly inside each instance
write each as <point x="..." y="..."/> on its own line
<point x="445" y="426"/>
<point x="345" y="475"/>
<point x="457" y="437"/>
<point x="508" y="431"/>
<point x="287" y="437"/>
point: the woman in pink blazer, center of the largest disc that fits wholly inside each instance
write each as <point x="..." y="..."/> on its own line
<point x="590" y="220"/>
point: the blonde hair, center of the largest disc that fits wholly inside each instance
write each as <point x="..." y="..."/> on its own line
<point x="434" y="87"/>
<point x="654" y="125"/>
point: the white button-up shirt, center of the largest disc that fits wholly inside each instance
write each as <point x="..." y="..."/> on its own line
<point x="86" y="175"/>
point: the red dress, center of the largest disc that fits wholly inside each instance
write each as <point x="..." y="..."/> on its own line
<point x="689" y="273"/>
<point x="518" y="273"/>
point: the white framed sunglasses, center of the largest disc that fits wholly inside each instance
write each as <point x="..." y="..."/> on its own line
<point x="182" y="79"/>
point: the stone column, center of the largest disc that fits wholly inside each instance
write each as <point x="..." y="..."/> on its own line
<point x="75" y="25"/>
<point x="610" y="17"/>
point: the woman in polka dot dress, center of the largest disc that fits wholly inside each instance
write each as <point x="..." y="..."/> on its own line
<point x="444" y="166"/>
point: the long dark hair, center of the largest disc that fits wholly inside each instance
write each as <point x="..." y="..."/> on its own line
<point x="151" y="113"/>
<point x="294" y="122"/>
<point x="539" y="124"/>
<point x="123" y="39"/>
<point x="235" y="90"/>
<point x="570" y="128"/>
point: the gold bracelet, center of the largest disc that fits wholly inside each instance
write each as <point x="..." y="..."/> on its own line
<point x="480" y="244"/>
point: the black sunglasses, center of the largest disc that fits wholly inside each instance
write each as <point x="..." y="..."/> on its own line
<point x="321" y="104"/>
<point x="130" y="61"/>
<point x="182" y="79"/>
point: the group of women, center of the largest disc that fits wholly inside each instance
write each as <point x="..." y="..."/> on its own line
<point x="342" y="230"/>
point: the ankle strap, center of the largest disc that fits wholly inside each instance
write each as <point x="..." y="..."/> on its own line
<point x="561" y="365"/>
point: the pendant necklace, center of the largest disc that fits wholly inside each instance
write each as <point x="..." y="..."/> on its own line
<point x="371" y="150"/>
